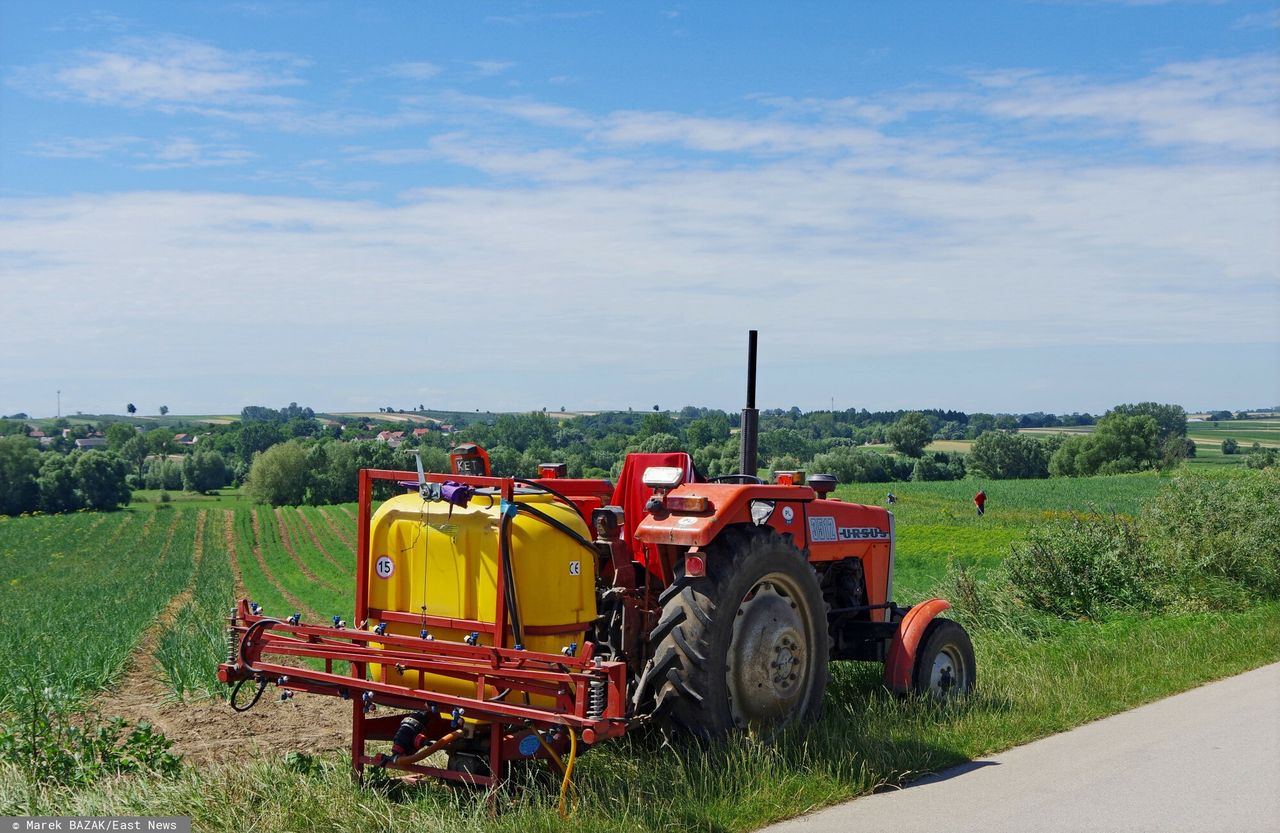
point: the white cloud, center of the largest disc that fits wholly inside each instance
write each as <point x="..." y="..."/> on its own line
<point x="526" y="18"/>
<point x="415" y="70"/>
<point x="1269" y="19"/>
<point x="168" y="70"/>
<point x="84" y="148"/>
<point x="1227" y="102"/>
<point x="830" y="216"/>
<point x="491" y="68"/>
<point x="183" y="152"/>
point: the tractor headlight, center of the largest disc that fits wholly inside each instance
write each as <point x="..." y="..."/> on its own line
<point x="663" y="477"/>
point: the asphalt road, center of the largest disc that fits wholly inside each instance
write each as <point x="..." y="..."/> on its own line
<point x="1204" y="760"/>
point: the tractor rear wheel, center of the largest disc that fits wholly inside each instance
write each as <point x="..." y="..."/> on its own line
<point x="945" y="667"/>
<point x="745" y="646"/>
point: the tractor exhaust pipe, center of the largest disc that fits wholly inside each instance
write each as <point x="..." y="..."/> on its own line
<point x="750" y="434"/>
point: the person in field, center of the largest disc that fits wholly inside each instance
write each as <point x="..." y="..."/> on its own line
<point x="892" y="498"/>
<point x="980" y="499"/>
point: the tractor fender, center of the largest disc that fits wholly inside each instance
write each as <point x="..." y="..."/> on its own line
<point x="902" y="650"/>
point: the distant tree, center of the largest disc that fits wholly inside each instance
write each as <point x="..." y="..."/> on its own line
<point x="858" y="465"/>
<point x="278" y="475"/>
<point x="19" y="467"/>
<point x="160" y="441"/>
<point x="131" y="408"/>
<point x="13" y="428"/>
<point x="119" y="433"/>
<point x="102" y="480"/>
<point x="910" y="434"/>
<point x="1001" y="455"/>
<point x="656" y="423"/>
<point x="134" y="451"/>
<point x="655" y="408"/>
<point x="204" y="471"/>
<point x="654" y="443"/>
<point x="163" y="473"/>
<point x="1264" y="458"/>
<point x="1230" y="446"/>
<point x="164" y="409"/>
<point x="257" y="436"/>
<point x="58" y="484"/>
<point x="713" y="428"/>
<point x="939" y="466"/>
<point x="783" y="442"/>
<point x="1171" y="420"/>
<point x="1220" y="415"/>
<point x="1120" y="444"/>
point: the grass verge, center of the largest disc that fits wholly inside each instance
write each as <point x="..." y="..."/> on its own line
<point x="1028" y="688"/>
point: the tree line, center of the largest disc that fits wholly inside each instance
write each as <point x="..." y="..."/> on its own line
<point x="291" y="456"/>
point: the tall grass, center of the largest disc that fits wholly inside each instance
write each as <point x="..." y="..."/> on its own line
<point x="865" y="739"/>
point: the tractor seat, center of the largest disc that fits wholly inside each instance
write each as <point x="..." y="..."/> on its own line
<point x="631" y="494"/>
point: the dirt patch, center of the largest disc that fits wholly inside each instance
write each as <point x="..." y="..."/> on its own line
<point x="315" y="539"/>
<point x="208" y="730"/>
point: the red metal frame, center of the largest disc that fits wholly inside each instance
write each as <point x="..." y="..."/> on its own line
<point x="565" y="678"/>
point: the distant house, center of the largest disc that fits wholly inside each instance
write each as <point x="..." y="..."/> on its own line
<point x="92" y="442"/>
<point x="185" y="439"/>
<point x="418" y="432"/>
<point x="391" y="438"/>
<point x="448" y="429"/>
<point x="37" y="434"/>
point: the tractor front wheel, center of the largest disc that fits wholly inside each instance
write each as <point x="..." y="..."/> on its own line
<point x="746" y="645"/>
<point x="945" y="666"/>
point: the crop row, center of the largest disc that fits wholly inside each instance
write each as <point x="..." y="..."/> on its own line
<point x="78" y="591"/>
<point x="190" y="649"/>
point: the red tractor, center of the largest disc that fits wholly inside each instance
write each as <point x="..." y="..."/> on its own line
<point x="505" y="618"/>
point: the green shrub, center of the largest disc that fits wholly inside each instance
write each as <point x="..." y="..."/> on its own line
<point x="1082" y="567"/>
<point x="55" y="740"/>
<point x="1203" y="543"/>
<point x="1217" y="539"/>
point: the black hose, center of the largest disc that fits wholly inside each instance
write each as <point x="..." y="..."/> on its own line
<point x="262" y="686"/>
<point x="508" y="576"/>
<point x="555" y="493"/>
<point x="550" y="521"/>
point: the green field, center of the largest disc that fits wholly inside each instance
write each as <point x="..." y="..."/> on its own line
<point x="1243" y="431"/>
<point x="81" y="591"/>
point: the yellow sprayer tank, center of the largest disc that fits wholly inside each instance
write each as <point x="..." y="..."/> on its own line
<point x="425" y="558"/>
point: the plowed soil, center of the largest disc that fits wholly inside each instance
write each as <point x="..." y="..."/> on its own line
<point x="205" y="731"/>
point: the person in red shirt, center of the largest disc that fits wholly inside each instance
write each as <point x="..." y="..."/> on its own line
<point x="981" y="500"/>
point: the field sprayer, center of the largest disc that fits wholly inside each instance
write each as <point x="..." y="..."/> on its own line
<point x="507" y="619"/>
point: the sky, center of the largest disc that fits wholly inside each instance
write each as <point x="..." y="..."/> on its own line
<point x="986" y="206"/>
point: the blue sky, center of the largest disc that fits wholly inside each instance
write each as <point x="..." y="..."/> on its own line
<point x="986" y="206"/>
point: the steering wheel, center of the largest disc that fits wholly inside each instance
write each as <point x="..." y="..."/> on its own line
<point x="736" y="478"/>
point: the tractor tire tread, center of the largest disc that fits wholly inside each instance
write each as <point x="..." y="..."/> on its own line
<point x="685" y="679"/>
